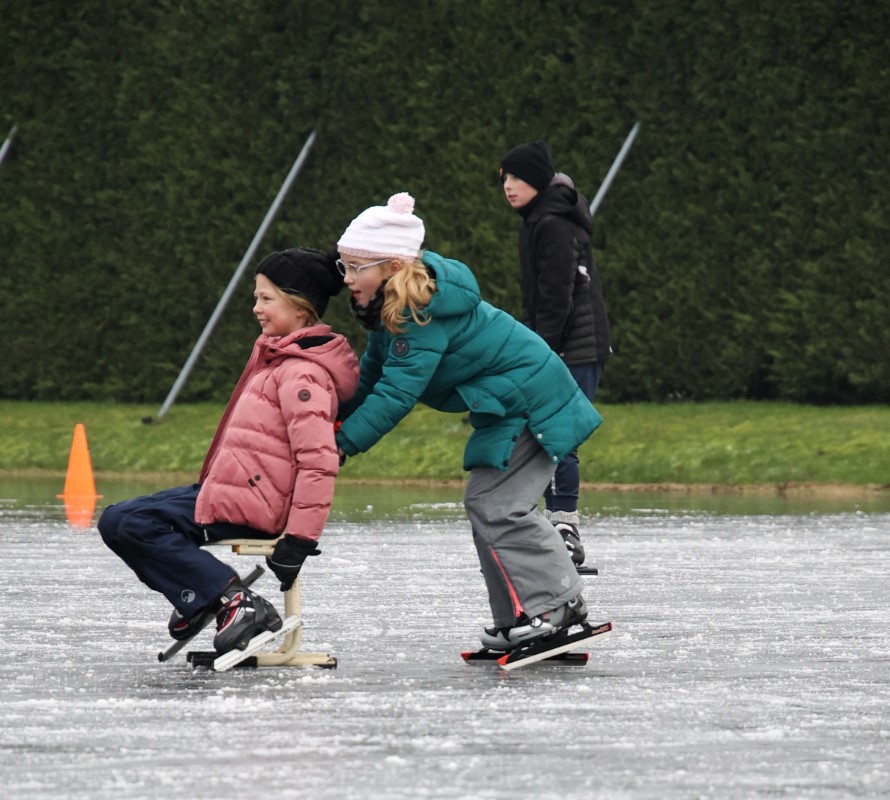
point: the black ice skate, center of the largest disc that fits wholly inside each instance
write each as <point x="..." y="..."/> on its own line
<point x="243" y="616"/>
<point x="560" y="648"/>
<point x="572" y="539"/>
<point x="546" y="625"/>
<point x="196" y="626"/>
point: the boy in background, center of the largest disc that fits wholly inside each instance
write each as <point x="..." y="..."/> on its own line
<point x="562" y="298"/>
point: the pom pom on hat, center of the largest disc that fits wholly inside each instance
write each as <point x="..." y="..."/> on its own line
<point x="390" y="231"/>
<point x="306" y="272"/>
<point x="531" y="162"/>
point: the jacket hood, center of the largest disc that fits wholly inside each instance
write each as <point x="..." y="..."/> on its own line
<point x="457" y="291"/>
<point x="319" y="344"/>
<point x="563" y="199"/>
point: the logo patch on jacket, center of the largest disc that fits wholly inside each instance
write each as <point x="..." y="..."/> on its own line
<point x="400" y="348"/>
<point x="304" y="394"/>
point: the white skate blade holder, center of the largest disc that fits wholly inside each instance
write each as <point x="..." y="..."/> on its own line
<point x="289" y="653"/>
<point x="235" y="657"/>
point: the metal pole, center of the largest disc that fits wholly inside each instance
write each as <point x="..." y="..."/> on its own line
<point x="233" y="283"/>
<point x="7" y="143"/>
<point x="613" y="170"/>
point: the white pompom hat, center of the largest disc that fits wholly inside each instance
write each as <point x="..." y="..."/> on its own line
<point x="390" y="231"/>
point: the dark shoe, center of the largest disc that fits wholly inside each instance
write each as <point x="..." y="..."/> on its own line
<point x="243" y="615"/>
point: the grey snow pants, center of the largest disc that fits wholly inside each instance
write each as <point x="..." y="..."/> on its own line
<point x="524" y="560"/>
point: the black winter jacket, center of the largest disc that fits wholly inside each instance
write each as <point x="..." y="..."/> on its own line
<point x="562" y="298"/>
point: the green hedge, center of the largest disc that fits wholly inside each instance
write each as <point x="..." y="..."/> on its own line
<point x="742" y="244"/>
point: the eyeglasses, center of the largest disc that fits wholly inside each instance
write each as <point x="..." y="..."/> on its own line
<point x="355" y="269"/>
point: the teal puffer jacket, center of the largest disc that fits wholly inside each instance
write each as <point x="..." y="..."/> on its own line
<point x="471" y="357"/>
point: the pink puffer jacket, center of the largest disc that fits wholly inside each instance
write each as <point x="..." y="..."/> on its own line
<point x="273" y="460"/>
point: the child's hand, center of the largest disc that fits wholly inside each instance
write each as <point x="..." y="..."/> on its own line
<point x="288" y="557"/>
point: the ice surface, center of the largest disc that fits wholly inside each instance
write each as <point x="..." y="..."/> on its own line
<point x="750" y="658"/>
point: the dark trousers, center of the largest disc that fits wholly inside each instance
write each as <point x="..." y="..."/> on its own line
<point x="158" y="538"/>
<point x="562" y="493"/>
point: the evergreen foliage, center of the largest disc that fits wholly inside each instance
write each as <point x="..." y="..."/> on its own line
<point x="741" y="245"/>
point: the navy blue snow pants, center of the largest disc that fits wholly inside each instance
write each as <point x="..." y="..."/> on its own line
<point x="562" y="493"/>
<point x="158" y="538"/>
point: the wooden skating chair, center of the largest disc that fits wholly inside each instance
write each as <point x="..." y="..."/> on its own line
<point x="288" y="654"/>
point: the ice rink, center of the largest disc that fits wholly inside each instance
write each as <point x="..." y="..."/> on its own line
<point x="750" y="658"/>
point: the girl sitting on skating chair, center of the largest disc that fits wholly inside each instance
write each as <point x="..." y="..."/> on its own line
<point x="270" y="468"/>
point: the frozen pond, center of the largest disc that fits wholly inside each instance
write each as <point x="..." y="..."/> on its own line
<point x="751" y="658"/>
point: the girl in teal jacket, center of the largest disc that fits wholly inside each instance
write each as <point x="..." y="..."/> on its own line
<point x="432" y="339"/>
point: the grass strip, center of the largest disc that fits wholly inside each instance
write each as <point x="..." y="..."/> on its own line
<point x="731" y="444"/>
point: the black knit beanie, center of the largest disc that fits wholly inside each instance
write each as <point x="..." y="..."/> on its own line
<point x="303" y="271"/>
<point x="531" y="162"/>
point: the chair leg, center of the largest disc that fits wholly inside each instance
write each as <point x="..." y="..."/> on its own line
<point x="292" y="609"/>
<point x="288" y="654"/>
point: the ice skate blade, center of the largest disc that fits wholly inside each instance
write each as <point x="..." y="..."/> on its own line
<point x="488" y="656"/>
<point x="234" y="657"/>
<point x="540" y="651"/>
<point x="557" y="650"/>
<point x="587" y="570"/>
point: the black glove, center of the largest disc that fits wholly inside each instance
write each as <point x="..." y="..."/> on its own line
<point x="288" y="556"/>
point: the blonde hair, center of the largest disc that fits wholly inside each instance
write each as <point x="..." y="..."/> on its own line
<point x="412" y="287"/>
<point x="301" y="304"/>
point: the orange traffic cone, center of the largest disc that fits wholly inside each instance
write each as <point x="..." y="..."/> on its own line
<point x="79" y="494"/>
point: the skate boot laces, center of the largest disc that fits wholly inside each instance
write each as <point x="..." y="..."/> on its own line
<point x="234" y="610"/>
